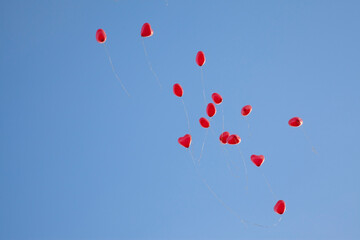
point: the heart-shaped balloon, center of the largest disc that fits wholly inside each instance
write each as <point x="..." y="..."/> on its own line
<point x="210" y="109"/>
<point x="185" y="141"/>
<point x="280" y="207"/>
<point x="200" y="58"/>
<point x="217" y="98"/>
<point x="100" y="36"/>
<point x="295" y="122"/>
<point x="246" y="110"/>
<point x="257" y="159"/>
<point x="223" y="137"/>
<point x="177" y="89"/>
<point x="204" y="122"/>
<point x="146" y="30"/>
<point x="233" y="139"/>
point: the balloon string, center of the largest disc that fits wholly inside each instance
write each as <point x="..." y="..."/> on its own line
<point x="222" y="202"/>
<point x="150" y="65"/>
<point x="245" y="168"/>
<point x="268" y="226"/>
<point x="248" y="124"/>
<point x="113" y="69"/>
<point x="186" y="115"/>
<point x="203" y="145"/>
<point x="230" y="170"/>
<point x="268" y="185"/>
<point x="223" y="119"/>
<point x="226" y="206"/>
<point x="211" y="129"/>
<point x="192" y="158"/>
<point x="215" y="195"/>
<point x="203" y="85"/>
<point x="225" y="152"/>
<point x="308" y="140"/>
<point x="204" y="96"/>
<point x="229" y="160"/>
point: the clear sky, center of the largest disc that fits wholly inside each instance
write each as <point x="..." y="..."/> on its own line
<point x="81" y="160"/>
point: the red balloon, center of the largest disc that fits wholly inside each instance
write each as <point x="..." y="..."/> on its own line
<point x="257" y="159"/>
<point x="280" y="207"/>
<point x="146" y="30"/>
<point x="204" y="122"/>
<point x="246" y="110"/>
<point x="100" y="36"/>
<point x="185" y="141"/>
<point x="295" y="122"/>
<point x="177" y="89"/>
<point x="200" y="58"/>
<point x="233" y="139"/>
<point x="217" y="98"/>
<point x="210" y="109"/>
<point x="223" y="137"/>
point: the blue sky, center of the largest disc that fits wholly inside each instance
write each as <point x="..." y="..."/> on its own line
<point x="81" y="160"/>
